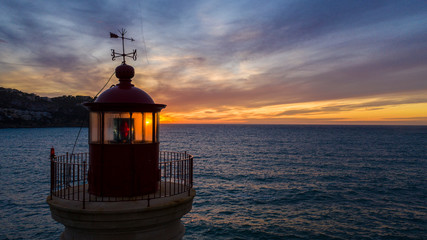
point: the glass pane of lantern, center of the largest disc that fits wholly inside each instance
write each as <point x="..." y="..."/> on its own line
<point x="148" y="127"/>
<point x="156" y="127"/>
<point x="95" y="124"/>
<point x="117" y="128"/>
<point x="138" y="126"/>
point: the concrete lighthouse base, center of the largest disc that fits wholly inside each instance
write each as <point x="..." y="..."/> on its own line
<point x="126" y="220"/>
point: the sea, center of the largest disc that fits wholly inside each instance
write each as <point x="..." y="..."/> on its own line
<point x="252" y="181"/>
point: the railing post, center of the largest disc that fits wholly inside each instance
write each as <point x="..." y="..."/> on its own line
<point x="52" y="171"/>
<point x="84" y="184"/>
<point x="191" y="172"/>
<point x="79" y="162"/>
<point x="67" y="174"/>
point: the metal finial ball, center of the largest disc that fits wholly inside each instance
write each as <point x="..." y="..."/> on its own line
<point x="125" y="72"/>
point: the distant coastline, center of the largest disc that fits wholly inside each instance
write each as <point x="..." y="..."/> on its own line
<point x="24" y="110"/>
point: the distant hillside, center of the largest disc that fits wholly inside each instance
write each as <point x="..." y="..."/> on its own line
<point x="19" y="109"/>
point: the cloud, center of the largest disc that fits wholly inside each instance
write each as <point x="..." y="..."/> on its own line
<point x="414" y="119"/>
<point x="375" y="76"/>
<point x="370" y="105"/>
<point x="269" y="28"/>
<point x="222" y="55"/>
<point x="347" y="67"/>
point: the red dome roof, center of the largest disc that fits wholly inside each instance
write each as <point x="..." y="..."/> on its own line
<point x="118" y="94"/>
<point x="124" y="95"/>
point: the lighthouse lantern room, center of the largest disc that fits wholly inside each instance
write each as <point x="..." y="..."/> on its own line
<point x="123" y="140"/>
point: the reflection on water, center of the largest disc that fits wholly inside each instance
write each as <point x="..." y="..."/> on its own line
<point x="253" y="182"/>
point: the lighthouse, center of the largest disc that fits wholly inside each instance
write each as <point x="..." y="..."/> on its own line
<point x="125" y="187"/>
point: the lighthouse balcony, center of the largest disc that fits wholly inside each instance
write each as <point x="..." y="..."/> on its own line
<point x="70" y="185"/>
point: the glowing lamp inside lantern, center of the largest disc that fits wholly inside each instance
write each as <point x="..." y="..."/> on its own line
<point x="124" y="127"/>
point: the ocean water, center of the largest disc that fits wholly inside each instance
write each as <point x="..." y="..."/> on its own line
<point x="253" y="181"/>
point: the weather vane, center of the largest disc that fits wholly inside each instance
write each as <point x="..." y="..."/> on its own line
<point x="124" y="55"/>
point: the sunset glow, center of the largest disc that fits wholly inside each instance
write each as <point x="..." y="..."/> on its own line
<point x="351" y="111"/>
<point x="280" y="62"/>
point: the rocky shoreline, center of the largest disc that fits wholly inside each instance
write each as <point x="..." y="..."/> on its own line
<point x="19" y="109"/>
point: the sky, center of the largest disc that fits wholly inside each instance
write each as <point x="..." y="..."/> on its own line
<point x="244" y="62"/>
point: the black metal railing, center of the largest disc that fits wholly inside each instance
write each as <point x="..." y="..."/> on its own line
<point x="69" y="175"/>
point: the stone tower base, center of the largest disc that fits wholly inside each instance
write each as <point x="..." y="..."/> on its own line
<point x="127" y="220"/>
